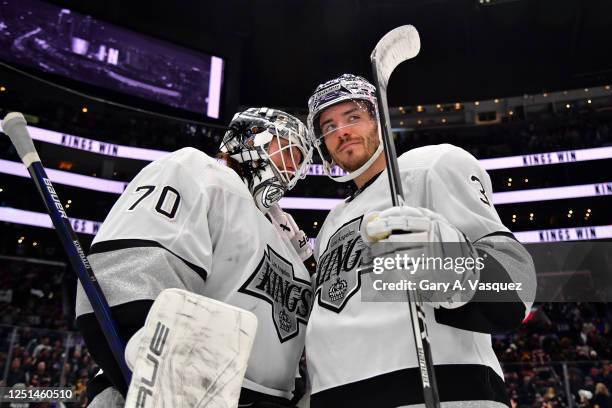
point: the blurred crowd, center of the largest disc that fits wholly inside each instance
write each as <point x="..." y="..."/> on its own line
<point x="39" y="346"/>
<point x="32" y="295"/>
<point x="45" y="358"/>
<point x="563" y="351"/>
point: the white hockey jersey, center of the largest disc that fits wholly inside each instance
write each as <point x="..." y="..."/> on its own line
<point x="186" y="221"/>
<point x="362" y="353"/>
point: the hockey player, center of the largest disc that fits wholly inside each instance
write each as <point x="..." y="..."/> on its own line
<point x="212" y="226"/>
<point x="361" y="353"/>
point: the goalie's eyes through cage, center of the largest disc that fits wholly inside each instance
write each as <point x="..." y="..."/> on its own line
<point x="289" y="153"/>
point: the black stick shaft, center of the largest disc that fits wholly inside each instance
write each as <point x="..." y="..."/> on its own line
<point x="80" y="265"/>
<point x="417" y="315"/>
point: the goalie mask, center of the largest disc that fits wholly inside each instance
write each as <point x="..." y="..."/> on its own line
<point x="346" y="88"/>
<point x="272" y="150"/>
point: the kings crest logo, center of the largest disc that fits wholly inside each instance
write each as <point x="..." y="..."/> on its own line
<point x="291" y="298"/>
<point x="337" y="277"/>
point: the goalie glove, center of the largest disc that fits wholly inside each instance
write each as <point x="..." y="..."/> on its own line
<point x="432" y="250"/>
<point x="291" y="233"/>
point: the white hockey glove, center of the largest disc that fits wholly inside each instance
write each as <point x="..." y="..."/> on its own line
<point x="432" y="250"/>
<point x="286" y="226"/>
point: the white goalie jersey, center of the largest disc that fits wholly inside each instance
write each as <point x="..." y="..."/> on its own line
<point x="356" y="348"/>
<point x="187" y="221"/>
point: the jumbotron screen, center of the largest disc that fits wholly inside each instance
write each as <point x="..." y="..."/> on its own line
<point x="61" y="42"/>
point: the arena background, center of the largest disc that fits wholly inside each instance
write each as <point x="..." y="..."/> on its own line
<point x="524" y="85"/>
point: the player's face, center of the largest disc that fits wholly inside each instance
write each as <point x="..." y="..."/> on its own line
<point x="286" y="159"/>
<point x="350" y="134"/>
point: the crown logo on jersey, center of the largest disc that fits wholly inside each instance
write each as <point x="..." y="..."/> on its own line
<point x="338" y="289"/>
<point x="285" y="321"/>
<point x="275" y="282"/>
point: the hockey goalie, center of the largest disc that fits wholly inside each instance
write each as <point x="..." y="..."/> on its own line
<point x="198" y="263"/>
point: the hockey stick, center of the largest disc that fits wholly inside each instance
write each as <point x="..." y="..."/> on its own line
<point x="397" y="46"/>
<point x="14" y="125"/>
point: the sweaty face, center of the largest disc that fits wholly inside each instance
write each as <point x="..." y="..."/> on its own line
<point x="350" y="134"/>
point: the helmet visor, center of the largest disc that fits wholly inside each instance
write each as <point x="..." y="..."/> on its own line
<point x="348" y="117"/>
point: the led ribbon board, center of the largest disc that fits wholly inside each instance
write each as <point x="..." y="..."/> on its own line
<point x="37" y="219"/>
<point x="313" y="203"/>
<point x="139" y="153"/>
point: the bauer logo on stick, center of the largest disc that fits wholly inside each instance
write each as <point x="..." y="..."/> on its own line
<point x="56" y="200"/>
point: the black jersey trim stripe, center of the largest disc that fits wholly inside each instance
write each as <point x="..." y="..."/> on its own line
<point x="498" y="234"/>
<point x="130" y="317"/>
<point x="117" y="244"/>
<point x="250" y="398"/>
<point x="456" y="382"/>
<point x="486" y="316"/>
<point x="360" y="190"/>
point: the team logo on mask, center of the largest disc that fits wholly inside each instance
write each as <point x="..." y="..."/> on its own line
<point x="271" y="195"/>
<point x="337" y="277"/>
<point x="291" y="298"/>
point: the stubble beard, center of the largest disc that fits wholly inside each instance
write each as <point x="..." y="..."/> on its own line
<point x="369" y="143"/>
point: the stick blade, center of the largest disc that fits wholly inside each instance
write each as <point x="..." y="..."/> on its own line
<point x="397" y="46"/>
